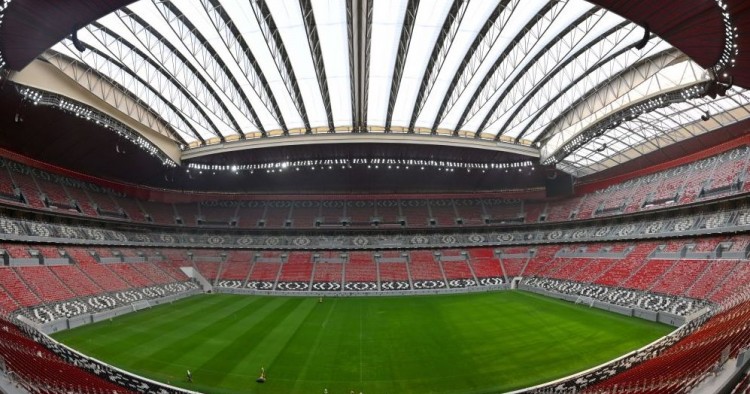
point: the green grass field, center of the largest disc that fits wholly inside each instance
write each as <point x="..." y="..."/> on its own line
<point x="471" y="343"/>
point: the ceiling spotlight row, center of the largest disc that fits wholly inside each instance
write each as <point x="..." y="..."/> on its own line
<point x="38" y="97"/>
<point x="693" y="92"/>
<point x="615" y="120"/>
<point x="731" y="37"/>
<point x="3" y="6"/>
<point x="375" y="163"/>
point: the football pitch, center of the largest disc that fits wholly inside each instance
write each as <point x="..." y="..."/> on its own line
<point x="467" y="343"/>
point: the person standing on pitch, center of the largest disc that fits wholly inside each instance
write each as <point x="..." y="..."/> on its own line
<point x="189" y="376"/>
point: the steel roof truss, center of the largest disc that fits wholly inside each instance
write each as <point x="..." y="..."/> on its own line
<point x="440" y="51"/>
<point x="243" y="56"/>
<point x="136" y="99"/>
<point x="212" y="63"/>
<point x="280" y="57"/>
<point x="313" y="42"/>
<point x="403" y="49"/>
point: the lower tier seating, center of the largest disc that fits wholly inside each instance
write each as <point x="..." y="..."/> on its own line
<point x="679" y="368"/>
<point x="667" y="276"/>
<point x="670" y="267"/>
<point x="37" y="370"/>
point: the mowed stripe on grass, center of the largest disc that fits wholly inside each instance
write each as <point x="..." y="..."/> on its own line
<point x="468" y="343"/>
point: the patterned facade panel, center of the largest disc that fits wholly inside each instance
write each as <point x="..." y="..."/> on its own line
<point x="716" y="222"/>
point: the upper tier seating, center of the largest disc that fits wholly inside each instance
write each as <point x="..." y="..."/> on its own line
<point x="159" y="213"/>
<point x="105" y="205"/>
<point x="81" y="199"/>
<point x="331" y="213"/>
<point x="360" y="212"/>
<point x="7" y="187"/>
<point x="217" y="216"/>
<point x="388" y="211"/>
<point x="533" y="211"/>
<point x="131" y="208"/>
<point x="55" y="196"/>
<point x="249" y="216"/>
<point x="503" y="211"/>
<point x="30" y="190"/>
<point x="277" y="216"/>
<point x="306" y="215"/>
<point x="188" y="213"/>
<point x="712" y="177"/>
<point x="416" y="212"/>
<point x="443" y="212"/>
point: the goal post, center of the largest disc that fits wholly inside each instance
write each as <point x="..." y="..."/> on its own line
<point x="585" y="300"/>
<point x="139" y="305"/>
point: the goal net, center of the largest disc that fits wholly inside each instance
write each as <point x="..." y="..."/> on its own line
<point x="138" y="305"/>
<point x="585" y="301"/>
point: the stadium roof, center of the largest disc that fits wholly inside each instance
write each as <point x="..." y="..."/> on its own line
<point x="568" y="81"/>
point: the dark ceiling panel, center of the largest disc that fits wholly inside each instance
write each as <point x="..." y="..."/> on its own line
<point x="695" y="27"/>
<point x="52" y="136"/>
<point x="31" y="26"/>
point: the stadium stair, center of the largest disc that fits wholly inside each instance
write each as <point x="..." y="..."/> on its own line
<point x="194" y="274"/>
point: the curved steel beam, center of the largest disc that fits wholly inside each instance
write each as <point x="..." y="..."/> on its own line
<point x="664" y="56"/>
<point x="616" y="119"/>
<point x="160" y="68"/>
<point x="359" y="22"/>
<point x="235" y="43"/>
<point x="467" y="60"/>
<point x="200" y="48"/>
<point x="437" y="58"/>
<point x="122" y="89"/>
<point x="138" y="26"/>
<point x="573" y="83"/>
<point x="572" y="26"/>
<point x="313" y="41"/>
<point x="556" y="71"/>
<point x="403" y="49"/>
<point x="366" y="35"/>
<point x="280" y="57"/>
<point x="353" y="61"/>
<point x="500" y="60"/>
